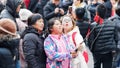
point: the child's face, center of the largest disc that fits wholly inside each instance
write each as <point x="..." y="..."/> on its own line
<point x="57" y="27"/>
<point x="67" y="23"/>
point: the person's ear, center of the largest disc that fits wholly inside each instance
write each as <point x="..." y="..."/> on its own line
<point x="51" y="29"/>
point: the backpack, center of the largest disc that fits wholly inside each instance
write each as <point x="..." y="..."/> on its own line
<point x="23" y="63"/>
<point x="85" y="54"/>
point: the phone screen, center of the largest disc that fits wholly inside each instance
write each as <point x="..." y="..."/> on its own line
<point x="70" y="9"/>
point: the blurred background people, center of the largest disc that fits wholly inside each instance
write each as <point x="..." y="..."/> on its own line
<point x="81" y="4"/>
<point x="110" y="5"/>
<point x="92" y="9"/>
<point x="66" y="4"/>
<point x="53" y="9"/>
<point x="11" y="10"/>
<point x="36" y="6"/>
<point x="22" y="20"/>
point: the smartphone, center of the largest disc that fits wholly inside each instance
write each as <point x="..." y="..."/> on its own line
<point x="70" y="9"/>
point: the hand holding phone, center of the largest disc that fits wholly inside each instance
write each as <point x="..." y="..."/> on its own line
<point x="70" y="9"/>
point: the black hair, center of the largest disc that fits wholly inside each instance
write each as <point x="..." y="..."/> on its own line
<point x="33" y="18"/>
<point x="2" y="6"/>
<point x="118" y="10"/>
<point x="79" y="12"/>
<point x="81" y="1"/>
<point x="51" y="22"/>
<point x="101" y="10"/>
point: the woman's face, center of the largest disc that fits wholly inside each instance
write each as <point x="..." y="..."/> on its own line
<point x="39" y="25"/>
<point x="18" y="8"/>
<point x="67" y="23"/>
<point x="57" y="27"/>
<point x="114" y="3"/>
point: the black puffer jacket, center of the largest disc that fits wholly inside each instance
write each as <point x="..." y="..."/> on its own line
<point x="116" y="19"/>
<point x="33" y="48"/>
<point x="6" y="60"/>
<point x="7" y="52"/>
<point x="105" y="41"/>
<point x="92" y="10"/>
<point x="108" y="5"/>
<point x="38" y="7"/>
<point x="83" y="27"/>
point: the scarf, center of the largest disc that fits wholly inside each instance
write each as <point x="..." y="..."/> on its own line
<point x="98" y="19"/>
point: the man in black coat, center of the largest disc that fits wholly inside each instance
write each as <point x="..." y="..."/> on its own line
<point x="53" y="9"/>
<point x="102" y="39"/>
<point x="109" y="4"/>
<point x="92" y="9"/>
<point x="80" y="21"/>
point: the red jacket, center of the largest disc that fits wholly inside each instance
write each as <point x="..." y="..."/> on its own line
<point x="27" y="2"/>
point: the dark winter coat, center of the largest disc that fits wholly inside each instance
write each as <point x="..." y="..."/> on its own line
<point x="92" y="10"/>
<point x="32" y="4"/>
<point x="1" y="6"/>
<point x="105" y="42"/>
<point x="49" y="10"/>
<point x="66" y="4"/>
<point x="39" y="7"/>
<point x="6" y="60"/>
<point x="108" y="5"/>
<point x="116" y="19"/>
<point x="8" y="52"/>
<point x="83" y="27"/>
<point x="33" y="48"/>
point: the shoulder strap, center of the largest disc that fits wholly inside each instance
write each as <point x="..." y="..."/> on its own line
<point x="73" y="37"/>
<point x="115" y="18"/>
<point x="21" y="55"/>
<point x="88" y="31"/>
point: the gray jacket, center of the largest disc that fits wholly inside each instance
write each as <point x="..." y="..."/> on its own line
<point x="10" y="10"/>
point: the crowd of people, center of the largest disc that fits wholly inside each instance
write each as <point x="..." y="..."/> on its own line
<point x="59" y="33"/>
